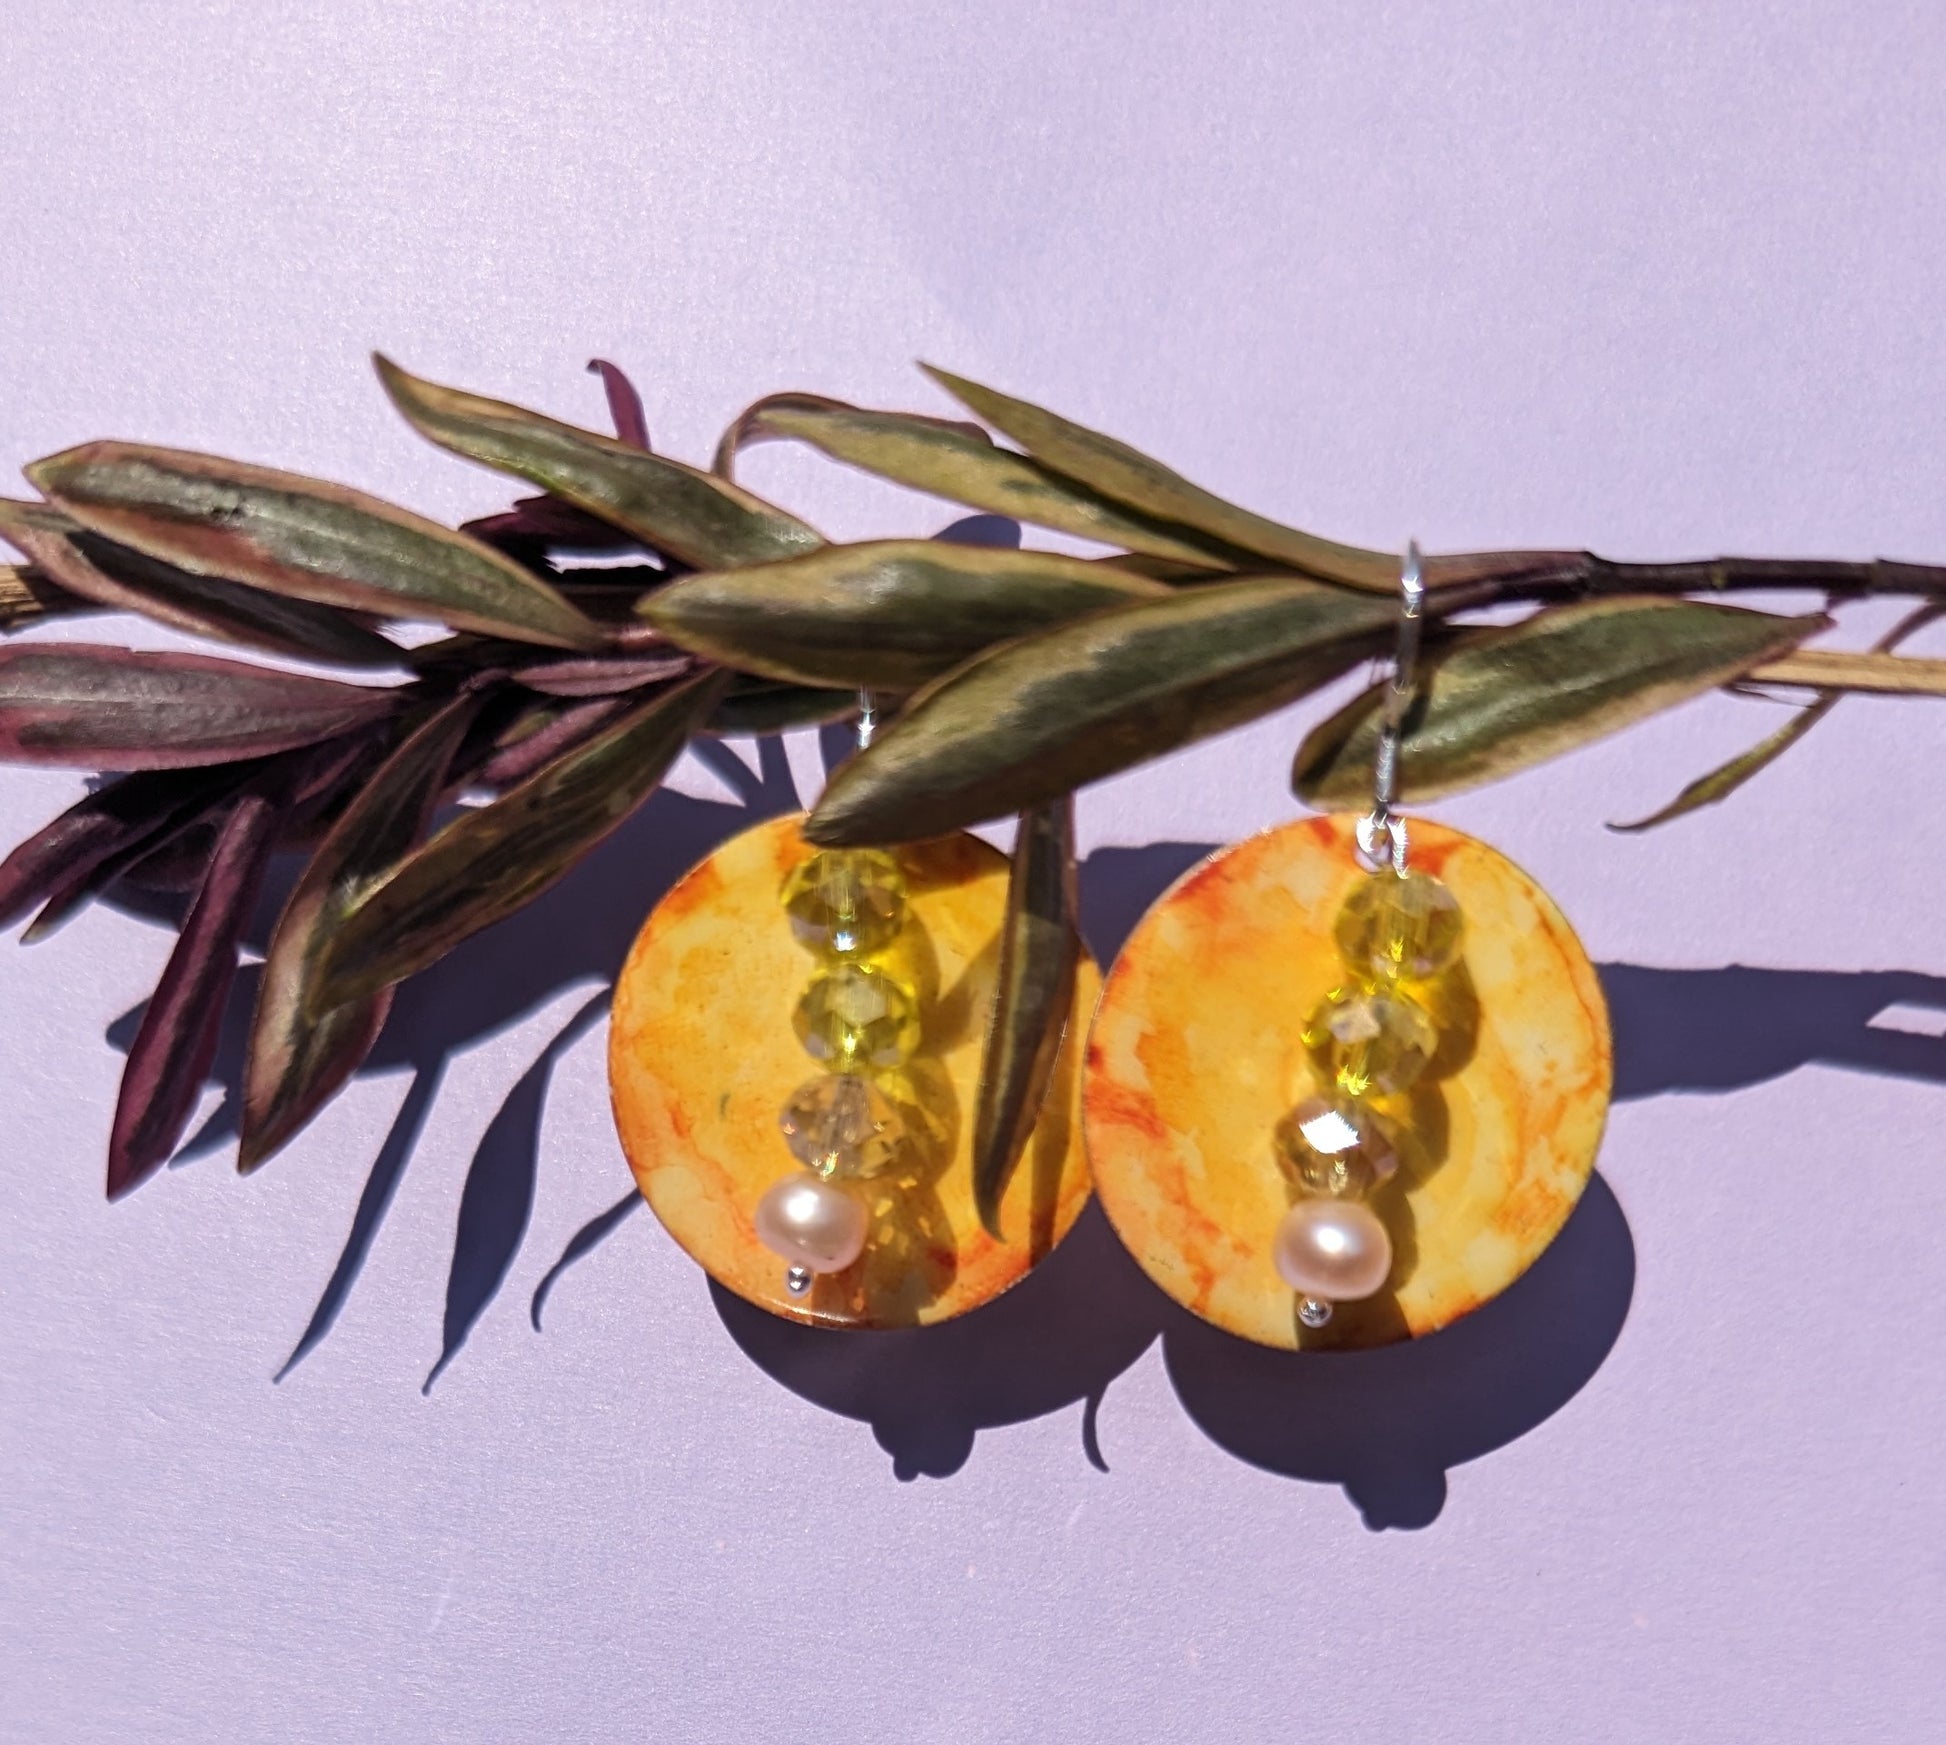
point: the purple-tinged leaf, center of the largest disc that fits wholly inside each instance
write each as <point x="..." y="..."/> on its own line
<point x="175" y="861"/>
<point x="177" y="832"/>
<point x="303" y="538"/>
<point x="82" y="706"/>
<point x="541" y="736"/>
<point x="534" y="524"/>
<point x="172" y="867"/>
<point x="596" y="677"/>
<point x="624" y="404"/>
<point x="298" y="1059"/>
<point x="121" y="815"/>
<point x="580" y="581"/>
<point x="497" y="858"/>
<point x="185" y="811"/>
<point x="610" y="596"/>
<point x="119" y="579"/>
<point x="176" y="1043"/>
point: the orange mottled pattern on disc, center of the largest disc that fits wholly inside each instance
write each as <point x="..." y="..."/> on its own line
<point x="1197" y="1052"/>
<point x="704" y="1055"/>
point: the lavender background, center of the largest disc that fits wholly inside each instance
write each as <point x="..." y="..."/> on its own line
<point x="1661" y="279"/>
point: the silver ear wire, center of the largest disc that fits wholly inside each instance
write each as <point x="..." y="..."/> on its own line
<point x="1381" y="833"/>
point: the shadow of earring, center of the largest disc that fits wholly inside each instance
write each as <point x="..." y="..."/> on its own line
<point x="1388" y="1423"/>
<point x="1056" y="1339"/>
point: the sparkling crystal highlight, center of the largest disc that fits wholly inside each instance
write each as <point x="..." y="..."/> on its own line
<point x="1334" y="1145"/>
<point x="846" y="902"/>
<point x="1370" y="1040"/>
<point x="856" y="1016"/>
<point x="1400" y="927"/>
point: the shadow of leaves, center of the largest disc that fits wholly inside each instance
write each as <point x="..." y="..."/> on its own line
<point x="1387" y="1425"/>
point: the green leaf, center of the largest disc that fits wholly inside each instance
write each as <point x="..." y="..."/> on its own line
<point x="1500" y="700"/>
<point x="1126" y="476"/>
<point x="1722" y="782"/>
<point x="704" y="521"/>
<point x="1032" y="720"/>
<point x="761" y="706"/>
<point x="498" y="857"/>
<point x="304" y="539"/>
<point x="1039" y="948"/>
<point x="115" y="577"/>
<point x="887" y="615"/>
<point x="958" y="462"/>
<point x="299" y="1055"/>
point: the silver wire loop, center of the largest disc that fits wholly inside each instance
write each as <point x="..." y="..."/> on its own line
<point x="1381" y="842"/>
<point x="1381" y="832"/>
<point x="867" y="718"/>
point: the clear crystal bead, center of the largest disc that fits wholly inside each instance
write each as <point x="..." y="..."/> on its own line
<point x="841" y="1125"/>
<point x="1314" y="1312"/>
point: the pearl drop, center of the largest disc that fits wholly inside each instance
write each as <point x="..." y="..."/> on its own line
<point x="1334" y="1249"/>
<point x="812" y="1224"/>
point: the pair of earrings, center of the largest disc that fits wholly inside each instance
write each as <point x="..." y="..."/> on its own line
<point x="1343" y="1084"/>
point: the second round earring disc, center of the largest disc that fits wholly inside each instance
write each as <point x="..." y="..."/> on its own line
<point x="702" y="1056"/>
<point x="1196" y="1053"/>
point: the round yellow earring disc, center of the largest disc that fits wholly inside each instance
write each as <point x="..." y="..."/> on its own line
<point x="702" y="1057"/>
<point x="1196" y="1052"/>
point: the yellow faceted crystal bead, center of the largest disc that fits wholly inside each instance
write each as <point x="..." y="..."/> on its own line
<point x="1335" y="1145"/>
<point x="842" y="1125"/>
<point x="857" y="1016"/>
<point x="1373" y="1039"/>
<point x="846" y="902"/>
<point x="1400" y="926"/>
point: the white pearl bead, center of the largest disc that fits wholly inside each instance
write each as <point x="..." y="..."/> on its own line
<point x="1334" y="1249"/>
<point x="812" y="1224"/>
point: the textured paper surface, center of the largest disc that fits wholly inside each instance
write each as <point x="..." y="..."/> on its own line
<point x="1658" y="279"/>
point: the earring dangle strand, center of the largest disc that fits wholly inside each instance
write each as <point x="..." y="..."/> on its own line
<point x="846" y="907"/>
<point x="843" y="1198"/>
<point x="1348" y="1077"/>
<point x="1373" y="1036"/>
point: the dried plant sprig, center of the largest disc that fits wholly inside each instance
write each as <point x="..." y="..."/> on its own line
<point x="1009" y="679"/>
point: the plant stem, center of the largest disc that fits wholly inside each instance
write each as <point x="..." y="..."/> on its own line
<point x="1540" y="575"/>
